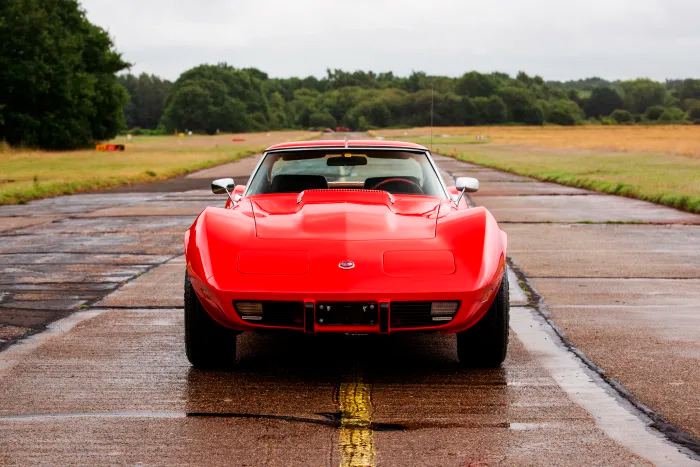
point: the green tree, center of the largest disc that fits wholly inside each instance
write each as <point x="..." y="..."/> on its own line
<point x="690" y="89"/>
<point x="279" y="117"/>
<point x="491" y="110"/>
<point x="242" y="85"/>
<point x="147" y="97"/>
<point x="640" y="94"/>
<point x="522" y="106"/>
<point x="474" y="84"/>
<point x="694" y="114"/>
<point x="303" y="106"/>
<point x="603" y="101"/>
<point x="322" y="119"/>
<point x="204" y="106"/>
<point x="58" y="72"/>
<point x="375" y="113"/>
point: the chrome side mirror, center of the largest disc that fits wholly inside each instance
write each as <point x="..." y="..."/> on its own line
<point x="224" y="185"/>
<point x="468" y="184"/>
<point x="465" y="185"/>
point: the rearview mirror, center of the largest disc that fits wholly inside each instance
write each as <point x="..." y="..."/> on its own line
<point x="342" y="161"/>
<point x="468" y="184"/>
<point x="222" y="186"/>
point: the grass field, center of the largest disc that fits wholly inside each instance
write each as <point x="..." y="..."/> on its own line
<point x="681" y="140"/>
<point x="27" y="175"/>
<point x="654" y="163"/>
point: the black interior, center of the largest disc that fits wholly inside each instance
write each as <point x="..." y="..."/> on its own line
<point x="297" y="183"/>
<point x="396" y="187"/>
<point x="371" y="182"/>
<point x="288" y="183"/>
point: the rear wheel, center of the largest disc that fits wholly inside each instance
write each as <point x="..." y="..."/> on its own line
<point x="207" y="343"/>
<point x="485" y="344"/>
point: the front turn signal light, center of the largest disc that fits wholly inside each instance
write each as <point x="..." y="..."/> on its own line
<point x="443" y="311"/>
<point x="249" y="311"/>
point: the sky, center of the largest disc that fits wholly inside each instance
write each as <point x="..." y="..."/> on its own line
<point x="556" y="39"/>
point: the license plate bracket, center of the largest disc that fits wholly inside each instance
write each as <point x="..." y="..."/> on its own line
<point x="346" y="313"/>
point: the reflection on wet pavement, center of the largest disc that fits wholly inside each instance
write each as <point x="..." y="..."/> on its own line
<point x="116" y="388"/>
<point x="123" y="375"/>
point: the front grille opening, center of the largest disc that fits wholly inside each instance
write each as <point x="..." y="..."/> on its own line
<point x="422" y="314"/>
<point x="271" y="313"/>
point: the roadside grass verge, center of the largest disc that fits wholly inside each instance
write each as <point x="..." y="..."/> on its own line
<point x="664" y="179"/>
<point x="26" y="175"/>
<point x="668" y="179"/>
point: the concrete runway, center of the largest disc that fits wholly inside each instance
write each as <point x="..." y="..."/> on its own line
<point x="108" y="383"/>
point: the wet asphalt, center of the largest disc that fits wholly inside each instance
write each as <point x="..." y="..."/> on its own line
<point x="109" y="383"/>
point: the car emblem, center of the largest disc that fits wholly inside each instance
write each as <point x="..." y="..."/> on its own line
<point x="346" y="265"/>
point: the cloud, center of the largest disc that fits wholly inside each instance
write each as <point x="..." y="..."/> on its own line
<point x="557" y="39"/>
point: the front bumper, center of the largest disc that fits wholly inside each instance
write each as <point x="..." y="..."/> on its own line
<point x="392" y="313"/>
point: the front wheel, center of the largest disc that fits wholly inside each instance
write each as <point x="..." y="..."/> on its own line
<point x="485" y="344"/>
<point x="207" y="343"/>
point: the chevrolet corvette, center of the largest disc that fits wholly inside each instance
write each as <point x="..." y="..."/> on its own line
<point x="359" y="237"/>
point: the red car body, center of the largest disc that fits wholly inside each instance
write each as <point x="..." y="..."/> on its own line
<point x="297" y="249"/>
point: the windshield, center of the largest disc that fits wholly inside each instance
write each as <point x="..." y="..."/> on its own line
<point x="398" y="172"/>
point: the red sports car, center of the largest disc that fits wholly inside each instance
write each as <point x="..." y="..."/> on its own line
<point x="346" y="237"/>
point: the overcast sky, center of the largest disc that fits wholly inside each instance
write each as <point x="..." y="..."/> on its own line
<point x="557" y="39"/>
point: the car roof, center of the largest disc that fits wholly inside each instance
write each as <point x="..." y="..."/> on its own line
<point x="353" y="143"/>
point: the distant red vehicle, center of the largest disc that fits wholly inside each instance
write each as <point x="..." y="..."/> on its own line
<point x="342" y="129"/>
<point x="346" y="237"/>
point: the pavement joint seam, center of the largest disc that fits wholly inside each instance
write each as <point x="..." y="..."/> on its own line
<point x="127" y="307"/>
<point x="88" y="303"/>
<point x="584" y="222"/>
<point x="657" y="422"/>
<point x="618" y="278"/>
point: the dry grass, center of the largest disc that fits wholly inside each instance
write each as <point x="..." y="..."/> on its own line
<point x="27" y="175"/>
<point x="681" y="140"/>
<point x="582" y="157"/>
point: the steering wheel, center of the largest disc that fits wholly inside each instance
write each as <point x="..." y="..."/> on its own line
<point x="414" y="187"/>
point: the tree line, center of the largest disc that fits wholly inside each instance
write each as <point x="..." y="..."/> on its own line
<point x="61" y="89"/>
<point x="220" y="97"/>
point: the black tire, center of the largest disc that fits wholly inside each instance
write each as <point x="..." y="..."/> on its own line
<point x="485" y="344"/>
<point x="207" y="343"/>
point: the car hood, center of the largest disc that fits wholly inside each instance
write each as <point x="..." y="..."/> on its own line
<point x="345" y="215"/>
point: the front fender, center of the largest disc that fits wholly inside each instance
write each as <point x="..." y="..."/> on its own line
<point x="480" y="248"/>
<point x="217" y="230"/>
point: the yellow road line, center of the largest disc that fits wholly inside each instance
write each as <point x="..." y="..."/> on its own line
<point x="356" y="436"/>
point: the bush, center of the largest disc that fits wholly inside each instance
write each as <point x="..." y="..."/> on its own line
<point x="672" y="114"/>
<point x="654" y="112"/>
<point x="621" y="116"/>
<point x="564" y="112"/>
<point x="137" y="131"/>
